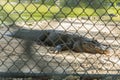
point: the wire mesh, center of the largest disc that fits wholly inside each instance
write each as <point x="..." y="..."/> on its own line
<point x="27" y="55"/>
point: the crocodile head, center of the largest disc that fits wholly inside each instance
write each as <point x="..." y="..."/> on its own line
<point x="95" y="47"/>
<point x="90" y="46"/>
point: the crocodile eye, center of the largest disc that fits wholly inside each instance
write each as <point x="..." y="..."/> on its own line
<point x="95" y="42"/>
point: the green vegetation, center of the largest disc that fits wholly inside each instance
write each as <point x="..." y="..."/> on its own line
<point x="11" y="12"/>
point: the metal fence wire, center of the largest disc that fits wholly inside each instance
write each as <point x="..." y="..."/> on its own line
<point x="60" y="39"/>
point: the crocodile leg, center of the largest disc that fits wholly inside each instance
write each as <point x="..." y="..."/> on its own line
<point x="62" y="47"/>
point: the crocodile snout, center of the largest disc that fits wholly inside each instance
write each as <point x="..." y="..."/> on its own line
<point x="103" y="49"/>
<point x="95" y="47"/>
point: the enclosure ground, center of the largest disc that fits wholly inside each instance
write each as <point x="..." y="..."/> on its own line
<point x="41" y="59"/>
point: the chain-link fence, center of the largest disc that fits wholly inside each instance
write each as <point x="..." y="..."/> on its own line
<point x="60" y="39"/>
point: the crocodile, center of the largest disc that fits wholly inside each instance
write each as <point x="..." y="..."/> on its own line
<point x="61" y="40"/>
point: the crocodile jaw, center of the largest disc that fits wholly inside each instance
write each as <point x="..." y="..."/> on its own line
<point x="103" y="49"/>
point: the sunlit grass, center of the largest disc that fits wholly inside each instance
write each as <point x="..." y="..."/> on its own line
<point x="37" y="12"/>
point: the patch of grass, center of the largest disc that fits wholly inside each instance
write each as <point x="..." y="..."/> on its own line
<point x="37" y="12"/>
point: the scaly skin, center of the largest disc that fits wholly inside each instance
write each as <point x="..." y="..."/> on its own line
<point x="61" y="40"/>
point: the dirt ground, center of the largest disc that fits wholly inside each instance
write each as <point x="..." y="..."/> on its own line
<point x="13" y="57"/>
